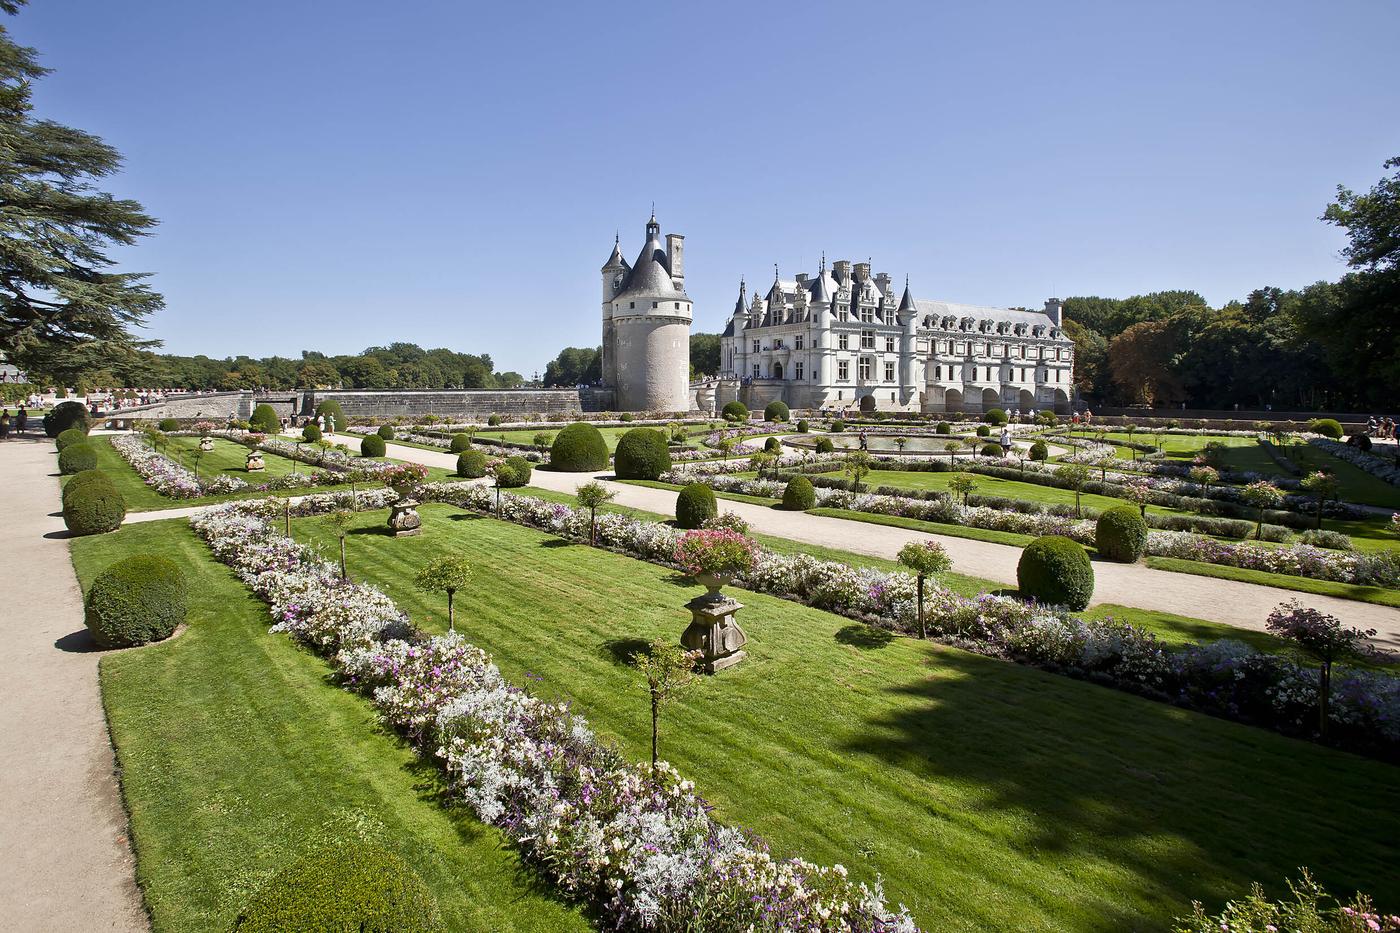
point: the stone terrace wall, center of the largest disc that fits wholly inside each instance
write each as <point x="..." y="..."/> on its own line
<point x="217" y="406"/>
<point x="468" y="404"/>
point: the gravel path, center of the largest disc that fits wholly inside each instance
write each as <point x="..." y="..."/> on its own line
<point x="63" y="832"/>
<point x="1244" y="605"/>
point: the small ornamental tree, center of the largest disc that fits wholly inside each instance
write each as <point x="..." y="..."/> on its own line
<point x="593" y="496"/>
<point x="761" y="461"/>
<point x="926" y="559"/>
<point x="900" y="443"/>
<point x="385" y="432"/>
<point x="1323" y="637"/>
<point x="952" y="447"/>
<point x="1261" y="495"/>
<point x="776" y="411"/>
<point x="459" y="443"/>
<point x="1074" y="475"/>
<point x="1324" y="487"/>
<point x="962" y="484"/>
<point x="726" y="445"/>
<point x="445" y="575"/>
<point x="735" y="412"/>
<point x="668" y="670"/>
<point x="543" y="441"/>
<point x="858" y="464"/>
<point x="1039" y="451"/>
<point x="1205" y="476"/>
<point x="1138" y="492"/>
<point x="339" y="521"/>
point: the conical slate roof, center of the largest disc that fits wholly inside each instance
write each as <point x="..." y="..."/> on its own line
<point x="906" y="304"/>
<point x="616" y="260"/>
<point x="651" y="273"/>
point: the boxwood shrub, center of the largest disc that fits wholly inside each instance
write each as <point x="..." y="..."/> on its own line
<point x="137" y="600"/>
<point x="356" y="886"/>
<point x="310" y="433"/>
<point x="990" y="450"/>
<point x="799" y="496"/>
<point x="694" y="504"/>
<point x="773" y="445"/>
<point x="65" y="415"/>
<point x="168" y="424"/>
<point x="735" y="411"/>
<point x="471" y="464"/>
<point x="579" y="448"/>
<point x="459" y="443"/>
<point x="75" y="458"/>
<point x="995" y="416"/>
<point x="514" y="472"/>
<point x="94" y="507"/>
<point x="1327" y="427"/>
<point x="824" y="445"/>
<point x="386" y="431"/>
<point x="264" y="419"/>
<point x="943" y="427"/>
<point x="1121" y="534"/>
<point x="68" y="438"/>
<point x="837" y="426"/>
<point x="372" y="446"/>
<point x="803" y="426"/>
<point x="642" y="453"/>
<point x="983" y="431"/>
<point x="1039" y="451"/>
<point x="776" y="411"/>
<point x="1055" y="570"/>
<point x="494" y="421"/>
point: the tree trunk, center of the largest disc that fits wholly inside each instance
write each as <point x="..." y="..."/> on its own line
<point x="344" y="573"/>
<point x="1319" y="513"/>
<point x="655" y="716"/>
<point x="592" y="527"/>
<point x="287" y="515"/>
<point x="1323" y="696"/>
<point x="923" y="631"/>
<point x="451" y="621"/>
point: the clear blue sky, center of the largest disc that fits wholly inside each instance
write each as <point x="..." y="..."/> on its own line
<point x="337" y="175"/>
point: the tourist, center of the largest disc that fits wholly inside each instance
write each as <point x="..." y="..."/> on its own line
<point x="1005" y="441"/>
<point x="21" y="420"/>
<point x="1088" y="417"/>
<point x="864" y="441"/>
<point x="5" y="425"/>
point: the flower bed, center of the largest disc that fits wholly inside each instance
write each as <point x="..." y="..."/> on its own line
<point x="1379" y="467"/>
<point x="638" y="846"/>
<point x="166" y="476"/>
<point x="1299" y="560"/>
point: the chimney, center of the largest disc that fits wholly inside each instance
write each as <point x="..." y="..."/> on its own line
<point x="1054" y="309"/>
<point x="882" y="281"/>
<point x="862" y="271"/>
<point x="841" y="269"/>
<point x="675" y="258"/>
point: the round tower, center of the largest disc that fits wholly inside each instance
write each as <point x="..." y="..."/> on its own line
<point x="646" y="326"/>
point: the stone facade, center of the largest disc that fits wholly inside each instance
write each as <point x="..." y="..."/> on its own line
<point x="646" y="325"/>
<point x="843" y="340"/>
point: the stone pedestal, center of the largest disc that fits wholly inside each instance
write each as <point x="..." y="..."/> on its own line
<point x="714" y="632"/>
<point x="404" y="519"/>
<point x="206" y="443"/>
<point x="255" y="462"/>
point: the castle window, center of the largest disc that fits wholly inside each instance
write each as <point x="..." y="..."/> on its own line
<point x="632" y="305"/>
<point x="757" y="372"/>
<point x="843" y="341"/>
<point x="864" y="369"/>
<point x="889" y="371"/>
<point x="797" y="342"/>
<point x="889" y="344"/>
<point x="962" y="349"/>
<point x="797" y="370"/>
<point x="867" y="340"/>
<point x="843" y="371"/>
<point x="938" y="372"/>
<point x="867" y="314"/>
<point x="678" y="306"/>
<point x="653" y="305"/>
<point x="777" y="343"/>
<point x="756" y="346"/>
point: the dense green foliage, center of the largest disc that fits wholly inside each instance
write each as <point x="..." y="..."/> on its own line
<point x="694" y="505"/>
<point x="803" y="426"/>
<point x="773" y="446"/>
<point x="574" y="366"/>
<point x="943" y="427"/>
<point x="265" y="419"/>
<point x="168" y="424"/>
<point x="335" y="415"/>
<point x="494" y="420"/>
<point x="825" y="446"/>
<point x="799" y="495"/>
<point x="1327" y="427"/>
<point x="1056" y="570"/>
<point x="459" y="443"/>
<point x="1121" y="534"/>
<point x="983" y="431"/>
<point x="372" y="445"/>
<point x="68" y="438"/>
<point x="65" y="415"/>
<point x="471" y="464"/>
<point x="642" y="453"/>
<point x="836" y="426"/>
<point x="995" y="416"/>
<point x="513" y="472"/>
<point x="990" y="449"/>
<point x="1039" y="451"/>
<point x="579" y="448"/>
<point x="85" y="478"/>
<point x="75" y="458"/>
<point x="137" y="600"/>
<point x="735" y="411"/>
<point x="354" y="887"/>
<point x="95" y="507"/>
<point x="776" y="411"/>
<point x="386" y="431"/>
<point x="310" y="433"/>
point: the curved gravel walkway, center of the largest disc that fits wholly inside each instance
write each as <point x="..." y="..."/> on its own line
<point x="1243" y="605"/>
<point x="63" y="832"/>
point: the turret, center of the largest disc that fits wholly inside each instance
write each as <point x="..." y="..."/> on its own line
<point x="675" y="259"/>
<point x="1055" y="310"/>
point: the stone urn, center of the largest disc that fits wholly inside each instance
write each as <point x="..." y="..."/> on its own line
<point x="206" y="443"/>
<point x="255" y="461"/>
<point x="404" y="519"/>
<point x="713" y="630"/>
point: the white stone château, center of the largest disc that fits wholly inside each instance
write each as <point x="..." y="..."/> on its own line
<point x="646" y="326"/>
<point x="842" y="339"/>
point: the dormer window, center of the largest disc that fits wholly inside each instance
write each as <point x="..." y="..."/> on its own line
<point x="632" y="305"/>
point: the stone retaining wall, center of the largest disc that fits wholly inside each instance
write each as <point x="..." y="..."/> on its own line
<point x="466" y="404"/>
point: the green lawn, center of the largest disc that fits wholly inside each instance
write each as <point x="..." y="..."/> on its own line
<point x="237" y="753"/>
<point x="1366" y="594"/>
<point x="983" y="792"/>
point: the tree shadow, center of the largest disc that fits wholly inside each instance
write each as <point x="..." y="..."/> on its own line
<point x="79" y="642"/>
<point x="682" y="580"/>
<point x="558" y="543"/>
<point x="383" y="531"/>
<point x="864" y="637"/>
<point x="622" y="650"/>
<point x="466" y="517"/>
<point x="60" y="535"/>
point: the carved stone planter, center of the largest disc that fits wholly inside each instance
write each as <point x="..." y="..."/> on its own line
<point x="255" y="462"/>
<point x="713" y="630"/>
<point x="404" y="519"/>
<point x="206" y="443"/>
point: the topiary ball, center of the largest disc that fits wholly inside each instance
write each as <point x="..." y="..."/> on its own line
<point x="694" y="504"/>
<point x="837" y="426"/>
<point x="471" y="464"/>
<point x="460" y="442"/>
<point x="514" y="473"/>
<point x="983" y="431"/>
<point x="990" y="450"/>
<point x="1039" y="451"/>
<point x="386" y="431"/>
<point x="642" y="453"/>
<point x="264" y="420"/>
<point x="86" y="478"/>
<point x="494" y="420"/>
<point x="579" y="448"/>
<point x="803" y="426"/>
<point x="1055" y="570"/>
<point x="168" y="425"/>
<point x="1121" y="534"/>
<point x="68" y="438"/>
<point x="95" y="507"/>
<point x="356" y="886"/>
<point x="773" y="445"/>
<point x="799" y="496"/>
<point x="310" y="433"/>
<point x="65" y="415"/>
<point x="824" y="445"/>
<point x="776" y="411"/>
<point x="137" y="600"/>
<point x="995" y="416"/>
<point x="1327" y="427"/>
<point x="625" y="416"/>
<point x="735" y="411"/>
<point x="943" y="427"/>
<point x="75" y="458"/>
<point x="335" y="415"/>
<point x="372" y="446"/>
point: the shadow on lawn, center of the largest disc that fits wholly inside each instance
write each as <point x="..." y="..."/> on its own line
<point x="622" y="650"/>
<point x="1184" y="806"/>
<point x="865" y="637"/>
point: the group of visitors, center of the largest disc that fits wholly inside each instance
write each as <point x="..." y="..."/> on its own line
<point x="1382" y="429"/>
<point x="19" y="424"/>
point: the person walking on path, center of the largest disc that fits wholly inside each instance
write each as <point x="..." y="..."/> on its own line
<point x="5" y="425"/>
<point x="864" y="441"/>
<point x="1005" y="441"/>
<point x="21" y="421"/>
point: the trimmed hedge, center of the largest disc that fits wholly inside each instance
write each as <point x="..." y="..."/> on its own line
<point x="642" y="453"/>
<point x="776" y="411"/>
<point x="803" y="426"/>
<point x="264" y="419"/>
<point x="1039" y="451"/>
<point x="943" y="427"/>
<point x="799" y="496"/>
<point x="513" y="473"/>
<point x="735" y="411"/>
<point x="95" y="506"/>
<point x="1055" y="570"/>
<point x="372" y="446"/>
<point x="345" y="887"/>
<point x="773" y="445"/>
<point x="459" y="443"/>
<point x="386" y="431"/>
<point x="494" y="421"/>
<point x="68" y="438"/>
<point x="1121" y="534"/>
<point x="168" y="424"/>
<point x="471" y="464"/>
<point x="837" y="426"/>
<point x="990" y="450"/>
<point x="579" y="448"/>
<point x="334" y="414"/>
<point x="1327" y="427"/>
<point x="694" y="504"/>
<point x="983" y="431"/>
<point x="994" y="416"/>
<point x="310" y="433"/>
<point x="824" y="445"/>
<point x="135" y="601"/>
<point x="65" y="415"/>
<point x="75" y="458"/>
